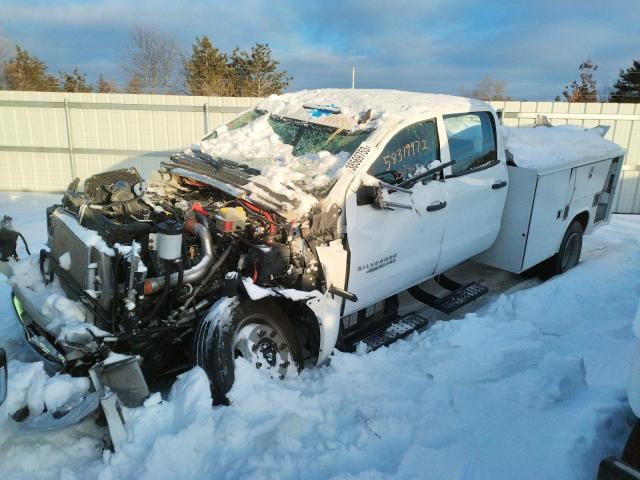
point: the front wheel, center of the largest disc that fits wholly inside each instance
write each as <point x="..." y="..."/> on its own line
<point x="237" y="329"/>
<point x="569" y="254"/>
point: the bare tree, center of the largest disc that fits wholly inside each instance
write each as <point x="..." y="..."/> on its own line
<point x="488" y="89"/>
<point x="134" y="85"/>
<point x="106" y="86"/>
<point x="152" y="60"/>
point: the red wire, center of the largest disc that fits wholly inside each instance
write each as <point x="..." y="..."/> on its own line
<point x="266" y="215"/>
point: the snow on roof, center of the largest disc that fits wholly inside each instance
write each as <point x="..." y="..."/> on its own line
<point x="385" y="105"/>
<point x="548" y="149"/>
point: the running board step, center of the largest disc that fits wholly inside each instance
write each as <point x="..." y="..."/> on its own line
<point x="399" y="329"/>
<point x="450" y="303"/>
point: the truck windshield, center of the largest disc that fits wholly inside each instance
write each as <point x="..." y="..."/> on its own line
<point x="238" y="122"/>
<point x="305" y="137"/>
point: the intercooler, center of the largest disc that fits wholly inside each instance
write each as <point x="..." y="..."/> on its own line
<point x="89" y="268"/>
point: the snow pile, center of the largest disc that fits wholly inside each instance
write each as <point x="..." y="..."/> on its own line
<point x="554" y="148"/>
<point x="529" y="386"/>
<point x="32" y="387"/>
<point x="67" y="318"/>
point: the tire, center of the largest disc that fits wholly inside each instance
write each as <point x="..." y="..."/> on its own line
<point x="569" y="254"/>
<point x="631" y="453"/>
<point x="257" y="331"/>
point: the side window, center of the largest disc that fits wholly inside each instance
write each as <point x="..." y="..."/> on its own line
<point x="472" y="141"/>
<point x="407" y="154"/>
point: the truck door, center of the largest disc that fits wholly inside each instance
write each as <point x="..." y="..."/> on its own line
<point x="391" y="250"/>
<point x="477" y="187"/>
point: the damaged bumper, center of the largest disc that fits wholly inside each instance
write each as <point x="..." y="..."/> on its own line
<point x="116" y="381"/>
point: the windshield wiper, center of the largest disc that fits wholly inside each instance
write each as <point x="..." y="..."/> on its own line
<point x="223" y="162"/>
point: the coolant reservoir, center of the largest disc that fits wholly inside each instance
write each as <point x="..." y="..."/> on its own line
<point x="231" y="219"/>
<point x="169" y="240"/>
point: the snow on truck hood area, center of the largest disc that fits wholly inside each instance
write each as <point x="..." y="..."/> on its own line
<point x="530" y="386"/>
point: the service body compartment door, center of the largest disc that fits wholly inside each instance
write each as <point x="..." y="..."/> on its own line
<point x="391" y="250"/>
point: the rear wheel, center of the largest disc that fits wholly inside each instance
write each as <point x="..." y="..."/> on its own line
<point x="238" y="330"/>
<point x="569" y="254"/>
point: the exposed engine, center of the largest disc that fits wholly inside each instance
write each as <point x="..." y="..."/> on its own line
<point x="149" y="260"/>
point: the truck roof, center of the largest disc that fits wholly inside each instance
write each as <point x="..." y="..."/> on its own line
<point x="352" y="104"/>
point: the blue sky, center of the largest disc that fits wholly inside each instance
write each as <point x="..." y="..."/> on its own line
<point x="439" y="46"/>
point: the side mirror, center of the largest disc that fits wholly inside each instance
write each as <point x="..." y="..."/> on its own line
<point x="377" y="196"/>
<point x="3" y="376"/>
<point x="367" y="195"/>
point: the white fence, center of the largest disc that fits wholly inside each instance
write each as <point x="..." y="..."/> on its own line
<point x="48" y="138"/>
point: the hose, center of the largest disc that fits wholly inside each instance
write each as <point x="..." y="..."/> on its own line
<point x="165" y="293"/>
<point x="214" y="268"/>
<point x="24" y="240"/>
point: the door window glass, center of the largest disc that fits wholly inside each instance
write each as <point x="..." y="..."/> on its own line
<point x="472" y="141"/>
<point x="407" y="154"/>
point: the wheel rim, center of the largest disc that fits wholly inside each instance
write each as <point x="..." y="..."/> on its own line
<point x="571" y="252"/>
<point x="264" y="345"/>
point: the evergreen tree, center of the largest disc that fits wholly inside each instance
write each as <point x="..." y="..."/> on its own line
<point x="256" y="73"/>
<point x="74" y="82"/>
<point x="627" y="88"/>
<point x="586" y="90"/>
<point x="24" y="72"/>
<point x="206" y="71"/>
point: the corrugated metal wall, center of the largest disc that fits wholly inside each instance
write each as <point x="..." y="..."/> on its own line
<point x="48" y="138"/>
<point x="623" y="118"/>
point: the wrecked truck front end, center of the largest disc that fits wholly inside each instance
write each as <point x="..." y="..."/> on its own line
<point x="126" y="279"/>
<point x="132" y="268"/>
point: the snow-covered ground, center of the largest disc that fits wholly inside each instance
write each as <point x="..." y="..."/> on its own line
<point x="530" y="385"/>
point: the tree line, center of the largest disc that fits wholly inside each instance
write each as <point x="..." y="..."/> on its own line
<point x="155" y="64"/>
<point x="626" y="89"/>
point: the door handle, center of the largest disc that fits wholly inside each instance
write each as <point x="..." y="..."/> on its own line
<point x="436" y="206"/>
<point x="499" y="184"/>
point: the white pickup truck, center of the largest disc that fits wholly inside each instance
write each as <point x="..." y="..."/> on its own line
<point x="292" y="229"/>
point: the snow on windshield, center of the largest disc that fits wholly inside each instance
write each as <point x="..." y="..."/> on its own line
<point x="295" y="165"/>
